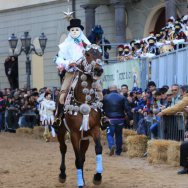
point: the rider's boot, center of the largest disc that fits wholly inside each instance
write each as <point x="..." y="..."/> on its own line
<point x="59" y="117"/>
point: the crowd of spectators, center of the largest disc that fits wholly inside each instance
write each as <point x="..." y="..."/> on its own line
<point x="20" y="107"/>
<point x="172" y="36"/>
<point x="147" y="107"/>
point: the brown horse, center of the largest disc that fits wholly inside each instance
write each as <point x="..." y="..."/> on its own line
<point x="82" y="114"/>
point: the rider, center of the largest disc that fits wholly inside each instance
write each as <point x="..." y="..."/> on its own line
<point x="69" y="56"/>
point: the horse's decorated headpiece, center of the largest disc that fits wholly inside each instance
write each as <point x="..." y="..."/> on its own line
<point x="93" y="46"/>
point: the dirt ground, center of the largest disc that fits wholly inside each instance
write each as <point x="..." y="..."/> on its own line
<point x="30" y="163"/>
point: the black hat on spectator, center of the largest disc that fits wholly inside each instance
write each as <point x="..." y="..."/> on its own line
<point x="151" y="83"/>
<point x="165" y="86"/>
<point x="139" y="91"/>
<point x="134" y="89"/>
<point x="163" y="90"/>
<point x="132" y="43"/>
<point x="151" y="40"/>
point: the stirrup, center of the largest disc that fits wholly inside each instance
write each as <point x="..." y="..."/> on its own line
<point x="57" y="122"/>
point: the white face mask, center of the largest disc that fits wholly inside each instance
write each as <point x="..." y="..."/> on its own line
<point x="75" y="32"/>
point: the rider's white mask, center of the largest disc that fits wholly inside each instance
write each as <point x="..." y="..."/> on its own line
<point x="75" y="32"/>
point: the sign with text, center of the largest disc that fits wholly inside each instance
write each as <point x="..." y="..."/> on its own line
<point x="122" y="73"/>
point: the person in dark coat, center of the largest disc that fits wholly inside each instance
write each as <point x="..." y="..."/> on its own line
<point x="114" y="109"/>
<point x="184" y="151"/>
<point x="11" y="71"/>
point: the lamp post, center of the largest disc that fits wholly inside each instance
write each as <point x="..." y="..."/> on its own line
<point x="27" y="48"/>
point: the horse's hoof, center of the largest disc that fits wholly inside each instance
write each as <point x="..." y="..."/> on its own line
<point x="62" y="178"/>
<point x="97" y="179"/>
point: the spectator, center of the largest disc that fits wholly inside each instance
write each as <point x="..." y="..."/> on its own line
<point x="176" y="95"/>
<point x="2" y="109"/>
<point x="47" y="108"/>
<point x="11" y="71"/>
<point x="114" y="108"/>
<point x="179" y="107"/>
<point x="124" y="90"/>
<point x="151" y="86"/>
<point x="169" y="95"/>
<point x="183" y="150"/>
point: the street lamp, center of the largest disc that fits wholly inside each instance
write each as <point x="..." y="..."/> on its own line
<point x="27" y="48"/>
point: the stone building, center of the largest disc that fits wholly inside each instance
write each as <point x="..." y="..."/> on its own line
<point x="121" y="20"/>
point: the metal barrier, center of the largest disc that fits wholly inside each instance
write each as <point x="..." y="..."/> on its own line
<point x="172" y="127"/>
<point x="170" y="68"/>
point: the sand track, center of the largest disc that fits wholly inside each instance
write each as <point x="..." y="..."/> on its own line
<point x="30" y="163"/>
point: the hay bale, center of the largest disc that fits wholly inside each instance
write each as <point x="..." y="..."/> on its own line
<point x="136" y="145"/>
<point x="24" y="130"/>
<point x="157" y="151"/>
<point x="128" y="132"/>
<point x="124" y="147"/>
<point x="173" y="153"/>
<point x="38" y="132"/>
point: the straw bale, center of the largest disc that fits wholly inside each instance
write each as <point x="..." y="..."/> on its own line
<point x="157" y="151"/>
<point x="128" y="132"/>
<point x="124" y="147"/>
<point x="38" y="132"/>
<point x="136" y="145"/>
<point x="24" y="130"/>
<point x="173" y="153"/>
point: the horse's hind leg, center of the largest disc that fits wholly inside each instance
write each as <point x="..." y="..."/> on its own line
<point x="63" y="148"/>
<point x="97" y="179"/>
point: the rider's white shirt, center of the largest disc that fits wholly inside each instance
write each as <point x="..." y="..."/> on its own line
<point x="70" y="51"/>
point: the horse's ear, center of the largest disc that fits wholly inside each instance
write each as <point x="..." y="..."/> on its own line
<point x="84" y="44"/>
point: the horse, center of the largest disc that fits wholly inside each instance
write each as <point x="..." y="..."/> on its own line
<point x="96" y="36"/>
<point x="82" y="114"/>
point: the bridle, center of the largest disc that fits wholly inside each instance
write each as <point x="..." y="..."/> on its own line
<point x="89" y="67"/>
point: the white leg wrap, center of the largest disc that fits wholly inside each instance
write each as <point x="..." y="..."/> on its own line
<point x="99" y="168"/>
<point x="80" y="181"/>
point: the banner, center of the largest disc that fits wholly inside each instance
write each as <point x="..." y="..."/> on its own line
<point x="122" y="73"/>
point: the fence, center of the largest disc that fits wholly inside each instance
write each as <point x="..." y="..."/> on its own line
<point x="168" y="127"/>
<point x="170" y="68"/>
<point x="172" y="127"/>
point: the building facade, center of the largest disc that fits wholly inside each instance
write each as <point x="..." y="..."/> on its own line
<point x="121" y="20"/>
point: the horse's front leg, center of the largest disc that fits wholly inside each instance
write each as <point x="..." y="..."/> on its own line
<point x="84" y="144"/>
<point x="97" y="179"/>
<point x="63" y="149"/>
<point x="76" y="139"/>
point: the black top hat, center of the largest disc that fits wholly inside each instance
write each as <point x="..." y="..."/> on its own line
<point x="75" y="23"/>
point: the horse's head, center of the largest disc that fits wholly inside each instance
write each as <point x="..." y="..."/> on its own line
<point x="93" y="63"/>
